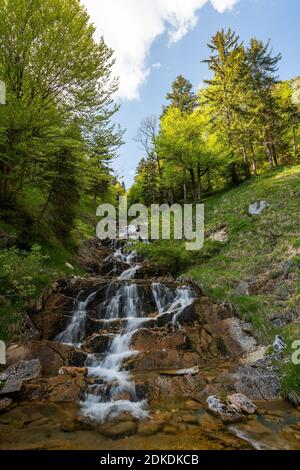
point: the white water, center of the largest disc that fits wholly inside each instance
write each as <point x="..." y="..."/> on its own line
<point x="170" y="302"/>
<point x="113" y="390"/>
<point x="75" y="329"/>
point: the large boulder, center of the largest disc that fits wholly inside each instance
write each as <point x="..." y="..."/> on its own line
<point x="52" y="355"/>
<point x="62" y="388"/>
<point x="53" y="315"/>
<point x="258" y="381"/>
<point x="256" y="208"/>
<point x="232" y="409"/>
<point x="15" y="376"/>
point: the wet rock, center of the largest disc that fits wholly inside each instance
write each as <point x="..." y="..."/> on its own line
<point x="257" y="207"/>
<point x="97" y="343"/>
<point x="225" y="411"/>
<point x="5" y="403"/>
<point x="63" y="388"/>
<point x="190" y="419"/>
<point x="15" y="375"/>
<point x="117" y="431"/>
<point x="52" y="355"/>
<point x="242" y="403"/>
<point x="190" y="371"/>
<point x="28" y="329"/>
<point x="148" y="428"/>
<point x="168" y="358"/>
<point x="53" y="315"/>
<point x="73" y="371"/>
<point x="279" y="344"/>
<point x="210" y="424"/>
<point x="90" y="257"/>
<point x="170" y="430"/>
<point x="192" y="405"/>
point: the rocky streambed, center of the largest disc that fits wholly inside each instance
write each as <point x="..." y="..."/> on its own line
<point x="131" y="358"/>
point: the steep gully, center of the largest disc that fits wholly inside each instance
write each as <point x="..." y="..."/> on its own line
<point x="129" y="356"/>
<point x="123" y="300"/>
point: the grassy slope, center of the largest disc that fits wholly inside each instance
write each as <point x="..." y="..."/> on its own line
<point x="262" y="251"/>
<point x="257" y="247"/>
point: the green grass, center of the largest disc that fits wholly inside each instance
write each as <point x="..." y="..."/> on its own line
<point x="256" y="247"/>
<point x="255" y="251"/>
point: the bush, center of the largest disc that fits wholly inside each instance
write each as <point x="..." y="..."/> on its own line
<point x="22" y="277"/>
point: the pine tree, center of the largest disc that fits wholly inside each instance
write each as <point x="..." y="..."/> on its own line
<point x="182" y="95"/>
<point x="224" y="93"/>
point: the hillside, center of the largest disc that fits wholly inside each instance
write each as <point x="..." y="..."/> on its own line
<point x="256" y="265"/>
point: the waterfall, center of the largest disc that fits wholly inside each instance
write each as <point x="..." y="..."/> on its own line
<point x="169" y="302"/>
<point x="75" y="330"/>
<point x="111" y="389"/>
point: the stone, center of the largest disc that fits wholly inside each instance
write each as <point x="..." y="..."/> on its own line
<point x="73" y="371"/>
<point x="242" y="403"/>
<point x="52" y="355"/>
<point x="209" y="423"/>
<point x="69" y="266"/>
<point x="293" y="397"/>
<point x="258" y="381"/>
<point x="16" y="374"/>
<point x="170" y="429"/>
<point x="117" y="431"/>
<point x="28" y="329"/>
<point x="97" y="343"/>
<point x="243" y="288"/>
<point x="220" y="236"/>
<point x="190" y="419"/>
<point x="5" y="403"/>
<point x="192" y="405"/>
<point x="256" y="208"/>
<point x="59" y="389"/>
<point x="279" y="344"/>
<point x="148" y="428"/>
<point x="190" y="371"/>
<point x="225" y="411"/>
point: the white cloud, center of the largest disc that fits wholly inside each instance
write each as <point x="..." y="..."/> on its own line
<point x="222" y="5"/>
<point x="131" y="26"/>
<point x="157" y="65"/>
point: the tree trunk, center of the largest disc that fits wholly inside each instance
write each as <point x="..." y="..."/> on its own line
<point x="246" y="162"/>
<point x="199" y="186"/>
<point x="233" y="174"/>
<point x="254" y="163"/>
<point x="269" y="155"/>
<point x="295" y="146"/>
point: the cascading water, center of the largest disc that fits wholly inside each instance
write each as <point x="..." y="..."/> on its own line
<point x="169" y="302"/>
<point x="111" y="389"/>
<point x="75" y="329"/>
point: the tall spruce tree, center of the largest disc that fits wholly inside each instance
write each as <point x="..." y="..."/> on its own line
<point x="182" y="95"/>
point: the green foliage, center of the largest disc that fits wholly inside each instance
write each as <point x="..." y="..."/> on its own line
<point x="243" y="122"/>
<point x="22" y="276"/>
<point x="168" y="255"/>
<point x="56" y="130"/>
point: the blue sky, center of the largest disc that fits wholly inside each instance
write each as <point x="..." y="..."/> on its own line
<point x="175" y="41"/>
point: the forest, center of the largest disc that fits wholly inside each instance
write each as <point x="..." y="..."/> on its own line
<point x="243" y="122"/>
